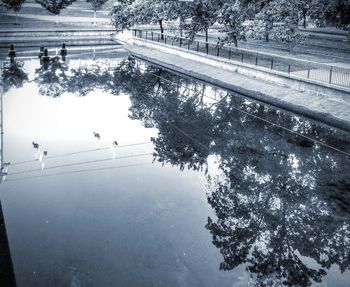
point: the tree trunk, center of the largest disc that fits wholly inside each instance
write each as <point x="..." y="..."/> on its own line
<point x="206" y="40"/>
<point x="235" y="41"/>
<point x="304" y="19"/>
<point x="161" y="29"/>
<point x="266" y="32"/>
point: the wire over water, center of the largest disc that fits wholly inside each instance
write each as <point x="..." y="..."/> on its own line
<point x="79" y="171"/>
<point x="78" y="163"/>
<point x="80" y="152"/>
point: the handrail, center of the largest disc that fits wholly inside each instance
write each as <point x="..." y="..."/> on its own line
<point x="321" y="72"/>
<point x="250" y="51"/>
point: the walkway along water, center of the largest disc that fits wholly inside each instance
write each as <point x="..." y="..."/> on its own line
<point x="323" y="102"/>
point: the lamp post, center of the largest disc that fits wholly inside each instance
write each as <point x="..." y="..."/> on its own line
<point x="2" y="123"/>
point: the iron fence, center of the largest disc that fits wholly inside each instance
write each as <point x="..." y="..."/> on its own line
<point x="300" y="68"/>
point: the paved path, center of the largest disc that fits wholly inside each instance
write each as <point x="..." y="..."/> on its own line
<point x="330" y="110"/>
<point x="60" y="18"/>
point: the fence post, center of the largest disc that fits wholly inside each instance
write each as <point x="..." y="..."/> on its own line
<point x="180" y="42"/>
<point x="330" y="74"/>
<point x="218" y="51"/>
<point x="152" y="35"/>
<point x="308" y="73"/>
<point x="188" y="45"/>
<point x="288" y="68"/>
<point x="272" y="63"/>
<point x="242" y="58"/>
<point x="256" y="59"/>
<point x="197" y="46"/>
<point x="164" y="39"/>
<point x="146" y="35"/>
<point x="229" y="54"/>
<point x="207" y="47"/>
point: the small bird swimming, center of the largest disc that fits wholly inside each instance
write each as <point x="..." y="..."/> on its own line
<point x="35" y="145"/>
<point x="97" y="136"/>
<point x="42" y="155"/>
<point x="115" y="143"/>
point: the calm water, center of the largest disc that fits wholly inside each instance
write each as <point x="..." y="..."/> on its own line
<point x="206" y="188"/>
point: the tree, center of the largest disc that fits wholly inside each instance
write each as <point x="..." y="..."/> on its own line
<point x="263" y="21"/>
<point x="143" y="12"/>
<point x="274" y="197"/>
<point x="96" y="5"/>
<point x="55" y="6"/>
<point x="202" y="17"/>
<point x="15" y="5"/>
<point x="288" y="31"/>
<point x="52" y="78"/>
<point x="231" y="16"/>
<point x="122" y="16"/>
<point x="155" y="11"/>
<point x="304" y="7"/>
<point x="336" y="12"/>
<point x="13" y="76"/>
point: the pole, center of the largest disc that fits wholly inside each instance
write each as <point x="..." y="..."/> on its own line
<point x="2" y="119"/>
<point x="7" y="273"/>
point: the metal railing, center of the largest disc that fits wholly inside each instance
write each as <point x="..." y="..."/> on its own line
<point x="299" y="68"/>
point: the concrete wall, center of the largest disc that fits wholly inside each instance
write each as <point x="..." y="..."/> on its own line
<point x="257" y="72"/>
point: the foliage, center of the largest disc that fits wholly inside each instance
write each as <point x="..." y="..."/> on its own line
<point x="335" y="11"/>
<point x="15" y="5"/>
<point x="13" y="76"/>
<point x="52" y="78"/>
<point x="122" y="16"/>
<point x="274" y="195"/>
<point x="96" y="4"/>
<point x="288" y="30"/>
<point x="263" y="22"/>
<point x="55" y="6"/>
<point x="201" y="18"/>
<point x="232" y="15"/>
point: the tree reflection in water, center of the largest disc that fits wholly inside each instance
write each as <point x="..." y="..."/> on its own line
<point x="13" y="75"/>
<point x="281" y="198"/>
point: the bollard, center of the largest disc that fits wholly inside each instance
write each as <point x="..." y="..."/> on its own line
<point x="45" y="57"/>
<point x="64" y="50"/>
<point x="41" y="51"/>
<point x="12" y="51"/>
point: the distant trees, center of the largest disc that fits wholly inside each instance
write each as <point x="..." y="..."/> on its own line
<point x="55" y="6"/>
<point x="14" y="5"/>
<point x="232" y="15"/>
<point x="13" y="76"/>
<point x="96" y="5"/>
<point x="277" y="19"/>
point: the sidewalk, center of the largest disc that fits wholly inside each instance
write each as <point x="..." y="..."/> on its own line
<point x="331" y="110"/>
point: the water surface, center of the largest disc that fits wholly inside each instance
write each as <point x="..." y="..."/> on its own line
<point x="207" y="188"/>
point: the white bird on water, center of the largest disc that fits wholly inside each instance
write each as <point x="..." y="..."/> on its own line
<point x="42" y="156"/>
<point x="37" y="150"/>
<point x="97" y="140"/>
<point x="113" y="148"/>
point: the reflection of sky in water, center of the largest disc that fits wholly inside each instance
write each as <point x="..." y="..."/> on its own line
<point x="89" y="221"/>
<point x="136" y="224"/>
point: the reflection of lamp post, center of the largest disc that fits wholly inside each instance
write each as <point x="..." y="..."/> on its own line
<point x="63" y="52"/>
<point x="12" y="53"/>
